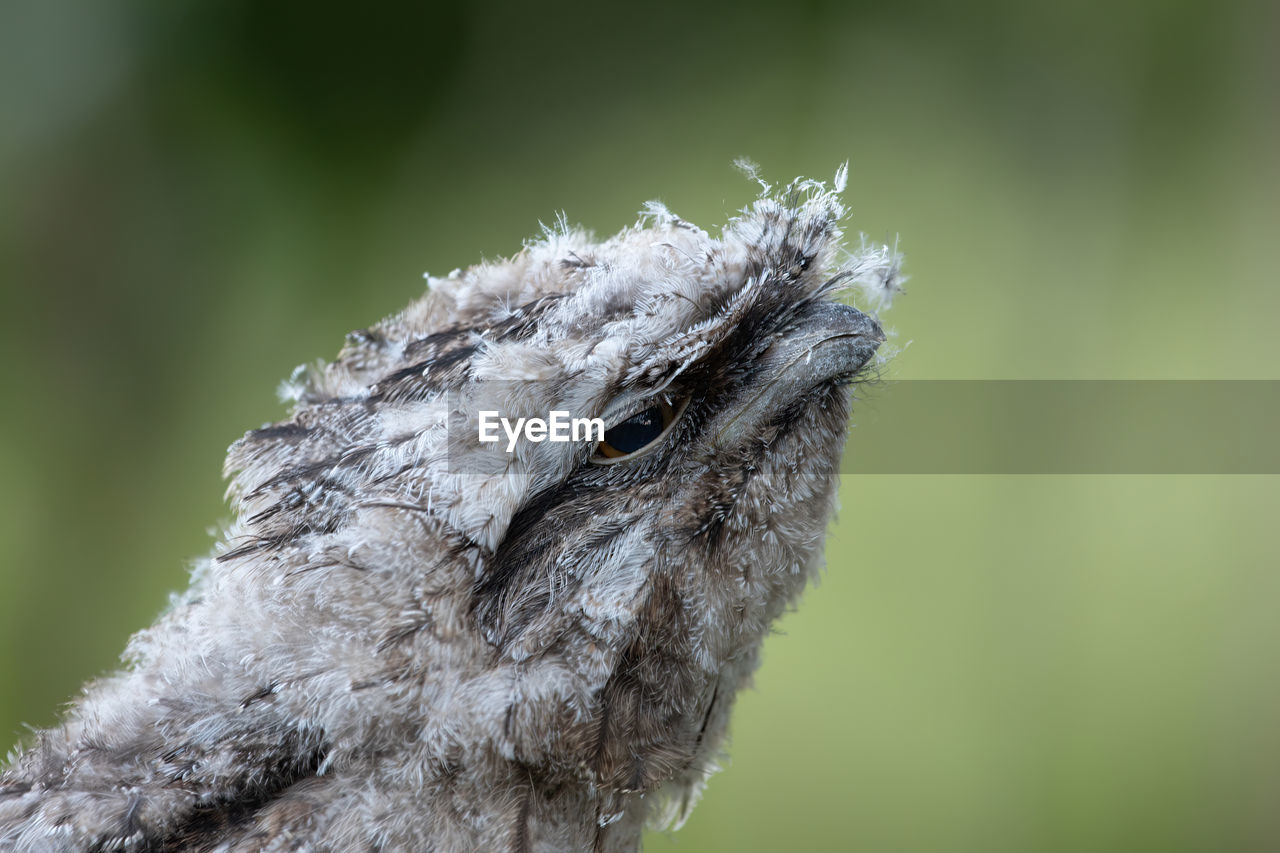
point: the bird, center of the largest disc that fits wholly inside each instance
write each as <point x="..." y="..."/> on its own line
<point x="410" y="638"/>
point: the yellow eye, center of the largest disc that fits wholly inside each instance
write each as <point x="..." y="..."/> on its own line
<point x="635" y="433"/>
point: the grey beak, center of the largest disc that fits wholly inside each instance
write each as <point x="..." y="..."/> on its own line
<point x="831" y="340"/>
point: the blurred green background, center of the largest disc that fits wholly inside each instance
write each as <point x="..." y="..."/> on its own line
<point x="197" y="196"/>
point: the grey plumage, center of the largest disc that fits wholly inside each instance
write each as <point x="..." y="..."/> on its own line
<point x="407" y="640"/>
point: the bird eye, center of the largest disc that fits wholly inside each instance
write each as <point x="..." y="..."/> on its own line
<point x="637" y="432"/>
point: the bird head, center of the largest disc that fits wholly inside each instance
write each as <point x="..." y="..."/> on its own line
<point x="587" y="607"/>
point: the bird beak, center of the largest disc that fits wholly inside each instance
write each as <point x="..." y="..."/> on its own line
<point x="830" y="341"/>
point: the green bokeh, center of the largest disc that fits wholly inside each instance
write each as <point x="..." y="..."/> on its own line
<point x="195" y="197"/>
